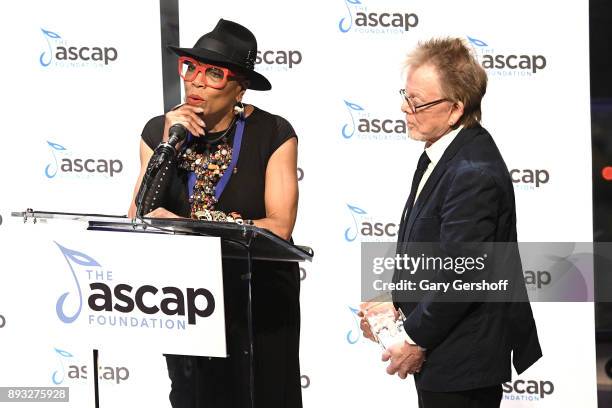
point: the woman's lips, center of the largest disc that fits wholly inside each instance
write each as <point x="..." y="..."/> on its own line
<point x="194" y="100"/>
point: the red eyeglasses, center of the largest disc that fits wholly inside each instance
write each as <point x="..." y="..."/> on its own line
<point x="212" y="75"/>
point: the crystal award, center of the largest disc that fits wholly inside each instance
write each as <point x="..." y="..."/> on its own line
<point x="386" y="323"/>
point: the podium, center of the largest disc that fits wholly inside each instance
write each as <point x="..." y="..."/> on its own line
<point x="238" y="241"/>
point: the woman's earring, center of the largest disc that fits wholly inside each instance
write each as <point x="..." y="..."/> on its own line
<point x="239" y="109"/>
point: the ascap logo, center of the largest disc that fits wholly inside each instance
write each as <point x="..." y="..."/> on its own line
<point x="559" y="272"/>
<point x="65" y="164"/>
<point x="69" y="370"/>
<point x="64" y="54"/>
<point x="176" y="302"/>
<point x="365" y="126"/>
<point x="527" y="390"/>
<point x="158" y="305"/>
<point x="529" y="179"/>
<point x="362" y="20"/>
<point x="536" y="279"/>
<point x="367" y="228"/>
<point x="507" y="63"/>
<point x="277" y="60"/>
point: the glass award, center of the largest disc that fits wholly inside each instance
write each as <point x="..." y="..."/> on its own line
<point x="386" y="323"/>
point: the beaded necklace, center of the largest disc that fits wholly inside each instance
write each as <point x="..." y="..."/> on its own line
<point x="208" y="159"/>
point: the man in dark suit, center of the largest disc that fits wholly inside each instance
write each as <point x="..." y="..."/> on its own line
<point x="459" y="352"/>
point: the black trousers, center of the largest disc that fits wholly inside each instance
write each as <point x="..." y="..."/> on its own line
<point x="489" y="397"/>
<point x="202" y="382"/>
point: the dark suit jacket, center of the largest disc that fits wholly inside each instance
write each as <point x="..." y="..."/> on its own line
<point x="468" y="197"/>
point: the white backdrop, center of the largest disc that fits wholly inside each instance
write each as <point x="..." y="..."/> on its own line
<point x="344" y="77"/>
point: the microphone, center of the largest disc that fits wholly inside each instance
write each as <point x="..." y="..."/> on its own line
<point x="160" y="163"/>
<point x="166" y="151"/>
<point x="176" y="134"/>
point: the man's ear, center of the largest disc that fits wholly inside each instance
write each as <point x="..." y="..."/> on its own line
<point x="456" y="113"/>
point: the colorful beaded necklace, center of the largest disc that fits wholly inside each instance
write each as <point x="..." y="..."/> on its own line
<point x="208" y="159"/>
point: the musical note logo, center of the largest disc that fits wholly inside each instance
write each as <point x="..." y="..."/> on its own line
<point x="477" y="42"/>
<point x="58" y="375"/>
<point x="44" y="61"/>
<point x="343" y="28"/>
<point x="353" y="335"/>
<point x="351" y="107"/>
<point x="51" y="168"/>
<point x="350" y="234"/>
<point x="73" y="257"/>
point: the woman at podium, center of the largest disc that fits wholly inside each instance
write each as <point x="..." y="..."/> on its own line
<point x="237" y="162"/>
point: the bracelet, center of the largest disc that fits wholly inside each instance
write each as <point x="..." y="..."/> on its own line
<point x="218" y="216"/>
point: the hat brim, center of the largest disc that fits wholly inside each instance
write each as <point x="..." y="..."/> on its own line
<point x="257" y="81"/>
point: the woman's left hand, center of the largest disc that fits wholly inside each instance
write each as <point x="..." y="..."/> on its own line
<point x="161" y="212"/>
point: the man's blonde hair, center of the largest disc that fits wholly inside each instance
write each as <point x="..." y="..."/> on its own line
<point x="461" y="76"/>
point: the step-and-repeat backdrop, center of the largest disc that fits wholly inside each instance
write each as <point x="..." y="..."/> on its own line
<point x="80" y="79"/>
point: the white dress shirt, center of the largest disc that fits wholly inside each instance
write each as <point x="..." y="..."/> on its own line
<point x="435" y="152"/>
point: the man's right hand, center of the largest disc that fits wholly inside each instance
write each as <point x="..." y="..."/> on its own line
<point x="405" y="359"/>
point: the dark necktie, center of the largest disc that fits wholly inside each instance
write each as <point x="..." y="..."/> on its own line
<point x="416" y="180"/>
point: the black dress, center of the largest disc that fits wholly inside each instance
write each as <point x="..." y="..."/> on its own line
<point x="224" y="382"/>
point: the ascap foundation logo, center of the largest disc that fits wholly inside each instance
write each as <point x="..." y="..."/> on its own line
<point x="361" y="19"/>
<point x="62" y="53"/>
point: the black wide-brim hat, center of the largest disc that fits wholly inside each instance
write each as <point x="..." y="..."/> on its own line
<point x="229" y="45"/>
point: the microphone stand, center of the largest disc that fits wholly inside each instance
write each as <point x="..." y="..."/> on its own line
<point x="161" y="161"/>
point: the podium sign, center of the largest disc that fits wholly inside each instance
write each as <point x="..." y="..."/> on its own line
<point x="117" y="292"/>
<point x="132" y="289"/>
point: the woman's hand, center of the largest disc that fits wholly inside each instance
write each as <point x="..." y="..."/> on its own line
<point x="162" y="213"/>
<point x="187" y="116"/>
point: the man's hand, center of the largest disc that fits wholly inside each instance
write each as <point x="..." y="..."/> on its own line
<point x="405" y="359"/>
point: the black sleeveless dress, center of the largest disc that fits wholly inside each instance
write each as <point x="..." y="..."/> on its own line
<point x="224" y="382"/>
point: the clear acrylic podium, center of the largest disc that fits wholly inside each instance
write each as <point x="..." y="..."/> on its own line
<point x="238" y="241"/>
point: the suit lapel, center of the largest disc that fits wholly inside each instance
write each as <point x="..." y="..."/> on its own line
<point x="463" y="137"/>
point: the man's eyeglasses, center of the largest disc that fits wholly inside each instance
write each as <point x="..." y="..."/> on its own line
<point x="212" y="75"/>
<point x="413" y="107"/>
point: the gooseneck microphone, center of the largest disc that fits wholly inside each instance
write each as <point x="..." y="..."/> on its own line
<point x="160" y="167"/>
<point x="176" y="134"/>
<point x="167" y="151"/>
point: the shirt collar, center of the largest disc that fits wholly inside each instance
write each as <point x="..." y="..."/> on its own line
<point x="436" y="150"/>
